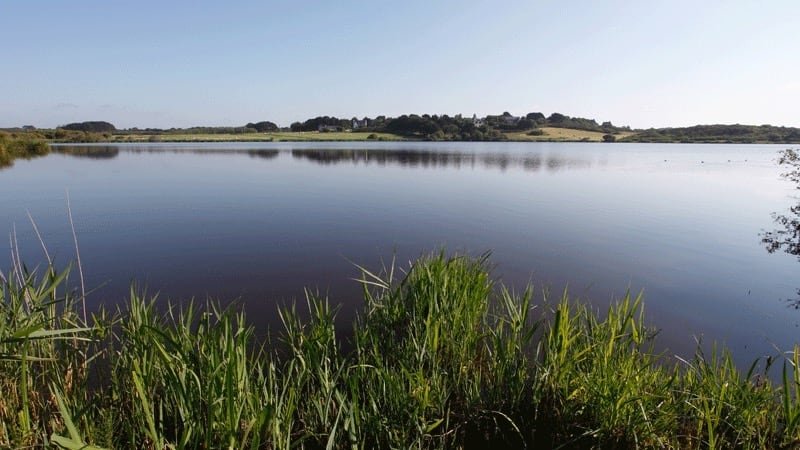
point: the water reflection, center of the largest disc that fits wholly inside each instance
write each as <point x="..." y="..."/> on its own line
<point x="93" y="152"/>
<point x="425" y="158"/>
<point x="112" y="151"/>
<point x="261" y="221"/>
<point x="378" y="157"/>
<point x="786" y="237"/>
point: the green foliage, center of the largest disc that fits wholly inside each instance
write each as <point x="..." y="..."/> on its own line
<point x="413" y="125"/>
<point x="537" y="117"/>
<point x="321" y="121"/>
<point x="441" y="128"/>
<point x="62" y="135"/>
<point x="20" y="145"/>
<point x="559" y="120"/>
<point x="720" y="133"/>
<point x="263" y="127"/>
<point x="786" y="236"/>
<point x="440" y="358"/>
<point x="90" y="127"/>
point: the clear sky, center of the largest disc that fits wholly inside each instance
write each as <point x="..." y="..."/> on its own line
<point x="183" y="63"/>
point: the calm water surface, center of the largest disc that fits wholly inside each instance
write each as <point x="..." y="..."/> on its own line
<point x="259" y="222"/>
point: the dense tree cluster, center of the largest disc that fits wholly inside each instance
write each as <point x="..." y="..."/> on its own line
<point x="321" y="122"/>
<point x="579" y="123"/>
<point x="98" y="126"/>
<point x="537" y="117"/>
<point x="507" y="122"/>
<point x="444" y="127"/>
<point x="426" y="126"/>
<point x="719" y="133"/>
<point x="263" y="127"/>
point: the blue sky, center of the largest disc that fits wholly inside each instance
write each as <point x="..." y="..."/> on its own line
<point x="164" y="64"/>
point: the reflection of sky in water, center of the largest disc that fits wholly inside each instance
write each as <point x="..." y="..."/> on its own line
<point x="261" y="221"/>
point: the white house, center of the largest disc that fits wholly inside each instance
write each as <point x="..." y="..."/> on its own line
<point x="360" y="123"/>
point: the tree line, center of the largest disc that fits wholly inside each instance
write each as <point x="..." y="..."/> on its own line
<point x="457" y="127"/>
<point x="744" y="134"/>
<point x="446" y="127"/>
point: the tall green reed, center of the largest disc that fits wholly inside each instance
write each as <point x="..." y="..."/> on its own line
<point x="440" y="357"/>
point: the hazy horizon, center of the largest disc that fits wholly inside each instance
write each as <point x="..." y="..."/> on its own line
<point x="207" y="64"/>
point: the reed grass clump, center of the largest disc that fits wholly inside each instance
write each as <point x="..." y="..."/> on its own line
<point x="20" y="145"/>
<point x="440" y="357"/>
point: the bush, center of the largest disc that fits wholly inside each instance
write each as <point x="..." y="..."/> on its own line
<point x="90" y="127"/>
<point x="263" y="127"/>
<point x="12" y="147"/>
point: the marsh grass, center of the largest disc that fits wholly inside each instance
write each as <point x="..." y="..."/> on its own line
<point x="440" y="357"/>
<point x="20" y="145"/>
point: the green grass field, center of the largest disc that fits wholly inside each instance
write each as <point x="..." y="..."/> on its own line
<point x="563" y="134"/>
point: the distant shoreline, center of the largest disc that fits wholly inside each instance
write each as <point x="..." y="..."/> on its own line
<point x="395" y="138"/>
<point x="543" y="134"/>
<point x="699" y="134"/>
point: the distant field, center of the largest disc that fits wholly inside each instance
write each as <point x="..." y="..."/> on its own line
<point x="254" y="137"/>
<point x="563" y="134"/>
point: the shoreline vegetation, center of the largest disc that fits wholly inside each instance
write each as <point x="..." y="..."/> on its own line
<point x="440" y="357"/>
<point x="531" y="127"/>
<point x="13" y="146"/>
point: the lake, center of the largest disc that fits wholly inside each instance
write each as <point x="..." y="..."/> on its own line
<point x="261" y="222"/>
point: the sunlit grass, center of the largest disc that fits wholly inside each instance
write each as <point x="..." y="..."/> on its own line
<point x="563" y="134"/>
<point x="440" y="357"/>
<point x="20" y="145"/>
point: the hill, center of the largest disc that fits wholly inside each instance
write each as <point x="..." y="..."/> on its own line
<point x="745" y="134"/>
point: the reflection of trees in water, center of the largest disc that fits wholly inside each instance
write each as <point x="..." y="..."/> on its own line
<point x="786" y="237"/>
<point x="424" y="158"/>
<point x="111" y="151"/>
<point x="265" y="154"/>
<point x="379" y="157"/>
<point x="92" y="152"/>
